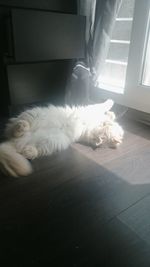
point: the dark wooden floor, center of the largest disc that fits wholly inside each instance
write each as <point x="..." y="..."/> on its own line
<point x="81" y="207"/>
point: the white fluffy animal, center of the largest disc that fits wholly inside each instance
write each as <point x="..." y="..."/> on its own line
<point x="43" y="131"/>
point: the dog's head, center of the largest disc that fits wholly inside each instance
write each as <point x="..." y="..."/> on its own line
<point x="114" y="134"/>
<point x="109" y="133"/>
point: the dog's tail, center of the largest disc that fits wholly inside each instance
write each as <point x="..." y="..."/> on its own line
<point x="11" y="162"/>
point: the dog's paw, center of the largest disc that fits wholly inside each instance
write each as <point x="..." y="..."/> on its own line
<point x="20" y="128"/>
<point x="116" y="134"/>
<point x="29" y="152"/>
<point x="111" y="115"/>
<point x="115" y="142"/>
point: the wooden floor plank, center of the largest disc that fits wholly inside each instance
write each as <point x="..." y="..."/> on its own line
<point x="137" y="218"/>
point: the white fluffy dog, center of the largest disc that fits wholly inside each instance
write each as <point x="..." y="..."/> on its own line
<point x="43" y="131"/>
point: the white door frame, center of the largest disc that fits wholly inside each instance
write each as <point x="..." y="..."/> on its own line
<point x="137" y="95"/>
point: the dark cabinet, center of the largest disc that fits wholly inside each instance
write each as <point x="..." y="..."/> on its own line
<point x="43" y="36"/>
<point x="42" y="46"/>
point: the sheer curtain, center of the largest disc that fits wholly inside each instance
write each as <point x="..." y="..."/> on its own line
<point x="100" y="18"/>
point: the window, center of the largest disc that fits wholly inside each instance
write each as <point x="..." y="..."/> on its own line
<point x="114" y="72"/>
<point x="126" y="73"/>
<point x="146" y="69"/>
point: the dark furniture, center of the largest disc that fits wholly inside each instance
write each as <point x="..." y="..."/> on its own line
<point x="42" y="42"/>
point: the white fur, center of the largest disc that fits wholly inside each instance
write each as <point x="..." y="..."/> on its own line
<point x="43" y="131"/>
